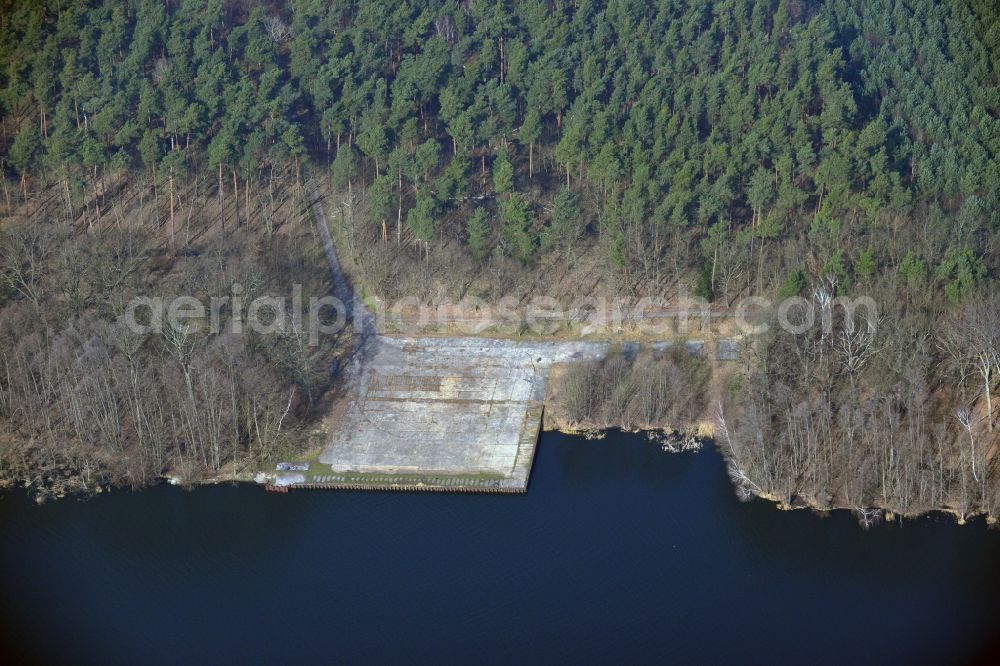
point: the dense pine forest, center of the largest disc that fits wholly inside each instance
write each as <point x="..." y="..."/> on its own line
<point x="721" y="149"/>
<point x="799" y="136"/>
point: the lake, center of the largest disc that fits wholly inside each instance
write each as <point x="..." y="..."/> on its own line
<point x="617" y="552"/>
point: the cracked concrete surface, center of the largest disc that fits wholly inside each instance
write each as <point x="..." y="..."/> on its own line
<point x="453" y="406"/>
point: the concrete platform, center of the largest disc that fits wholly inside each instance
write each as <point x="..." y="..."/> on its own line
<point x="442" y="414"/>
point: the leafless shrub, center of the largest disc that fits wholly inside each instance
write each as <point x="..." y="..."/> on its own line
<point x="617" y="385"/>
<point x="277" y="30"/>
<point x="867" y="518"/>
<point x="626" y="391"/>
<point x="579" y="391"/>
<point x="445" y="27"/>
<point x="160" y="68"/>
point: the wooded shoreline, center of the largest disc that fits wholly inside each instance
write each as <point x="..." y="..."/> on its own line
<point x="723" y="150"/>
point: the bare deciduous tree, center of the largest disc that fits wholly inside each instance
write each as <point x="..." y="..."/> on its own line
<point x="277" y="30"/>
<point x="972" y="338"/>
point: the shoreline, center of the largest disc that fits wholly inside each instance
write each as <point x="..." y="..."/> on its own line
<point x="659" y="434"/>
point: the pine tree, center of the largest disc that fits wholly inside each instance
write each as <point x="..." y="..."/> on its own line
<point x="478" y="232"/>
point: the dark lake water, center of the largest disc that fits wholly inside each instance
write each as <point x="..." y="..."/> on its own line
<point x="619" y="552"/>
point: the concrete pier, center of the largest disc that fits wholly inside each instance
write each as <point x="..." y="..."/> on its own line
<point x="449" y="414"/>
